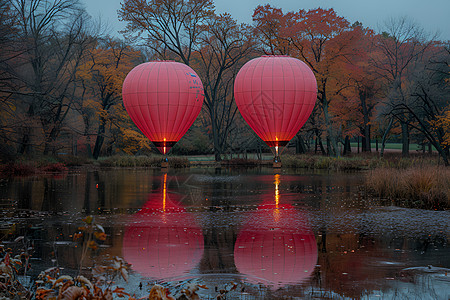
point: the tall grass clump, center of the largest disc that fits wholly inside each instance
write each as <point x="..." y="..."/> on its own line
<point x="126" y="161"/>
<point x="422" y="186"/>
<point x="179" y="162"/>
<point x="74" y="161"/>
<point x="399" y="162"/>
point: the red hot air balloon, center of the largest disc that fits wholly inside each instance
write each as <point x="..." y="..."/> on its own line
<point x="275" y="95"/>
<point x="163" y="98"/>
<point x="163" y="241"/>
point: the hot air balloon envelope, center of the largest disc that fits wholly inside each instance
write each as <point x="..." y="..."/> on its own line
<point x="275" y="95"/>
<point x="163" y="98"/>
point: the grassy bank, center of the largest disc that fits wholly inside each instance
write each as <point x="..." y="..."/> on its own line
<point x="142" y="161"/>
<point x="36" y="165"/>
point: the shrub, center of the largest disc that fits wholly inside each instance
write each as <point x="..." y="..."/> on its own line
<point x="53" y="168"/>
<point x="18" y="169"/>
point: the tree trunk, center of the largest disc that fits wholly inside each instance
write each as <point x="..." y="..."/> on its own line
<point x="444" y="153"/>
<point x="216" y="143"/>
<point x="383" y="139"/>
<point x="347" y="147"/>
<point x="100" y="139"/>
<point x="316" y="145"/>
<point x="217" y="156"/>
<point x="405" y="139"/>
<point x="329" y="150"/>
<point x="50" y="140"/>
<point x="25" y="144"/>
<point x="300" y="147"/>
<point x="363" y="144"/>
<point x="109" y="149"/>
<point x="366" y="142"/>
<point x="87" y="135"/>
<point x="357" y="140"/>
<point x="88" y="146"/>
<point x="331" y="140"/>
<point x="366" y="146"/>
<point x="319" y="142"/>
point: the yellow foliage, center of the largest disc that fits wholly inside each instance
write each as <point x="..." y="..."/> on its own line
<point x="443" y="121"/>
<point x="103" y="73"/>
<point x="134" y="141"/>
<point x="107" y="67"/>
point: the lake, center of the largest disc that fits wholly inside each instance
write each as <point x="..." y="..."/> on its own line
<point x="296" y="234"/>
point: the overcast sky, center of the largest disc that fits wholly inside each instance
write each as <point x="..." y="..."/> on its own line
<point x="432" y="15"/>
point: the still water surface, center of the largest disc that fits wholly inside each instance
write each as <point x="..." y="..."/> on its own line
<point x="293" y="235"/>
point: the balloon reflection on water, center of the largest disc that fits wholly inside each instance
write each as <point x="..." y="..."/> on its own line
<point x="163" y="241"/>
<point x="276" y="246"/>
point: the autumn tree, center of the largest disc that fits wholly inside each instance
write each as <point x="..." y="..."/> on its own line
<point x="190" y="31"/>
<point x="224" y="47"/>
<point x="429" y="98"/>
<point x="363" y="94"/>
<point x="53" y="39"/>
<point x="8" y="43"/>
<point x="271" y="25"/>
<point x="401" y="46"/>
<point x="171" y="28"/>
<point x="102" y="75"/>
<point x="8" y="83"/>
<point x="324" y="41"/>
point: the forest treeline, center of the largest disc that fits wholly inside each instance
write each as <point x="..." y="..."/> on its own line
<point x="61" y="77"/>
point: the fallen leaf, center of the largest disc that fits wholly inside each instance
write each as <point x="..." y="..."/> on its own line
<point x="72" y="293"/>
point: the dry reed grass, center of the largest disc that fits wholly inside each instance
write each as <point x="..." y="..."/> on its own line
<point x="421" y="186"/>
<point x="325" y="162"/>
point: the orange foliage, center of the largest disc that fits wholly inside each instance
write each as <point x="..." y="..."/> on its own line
<point x="271" y="24"/>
